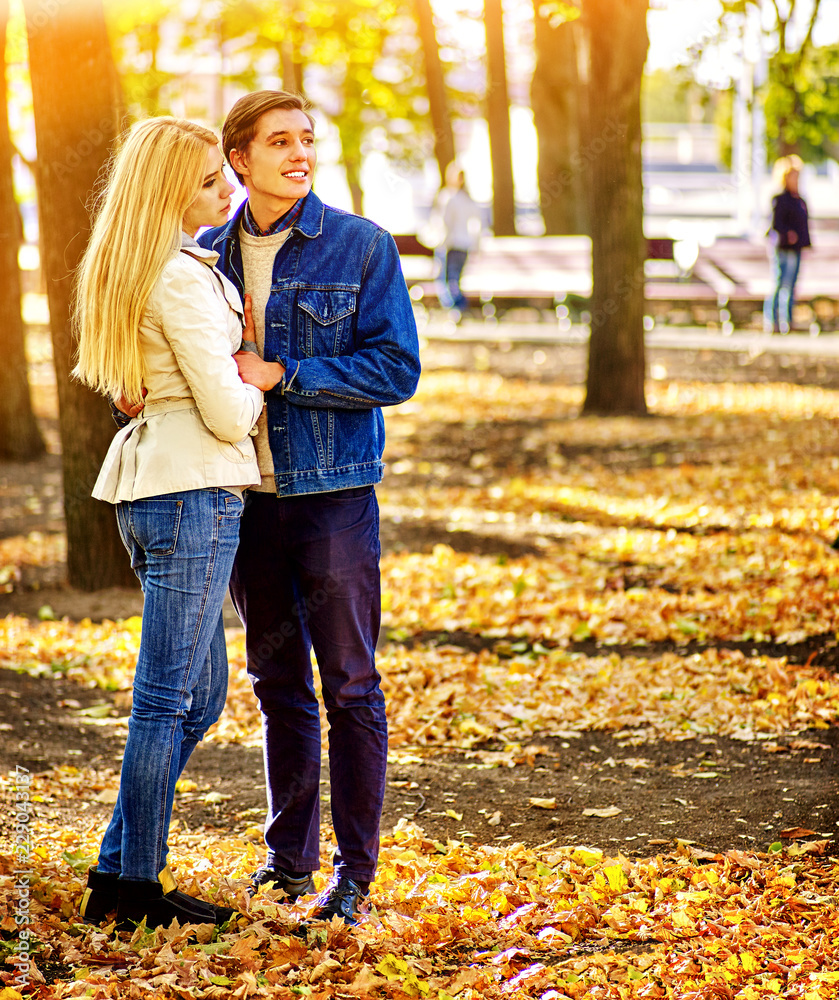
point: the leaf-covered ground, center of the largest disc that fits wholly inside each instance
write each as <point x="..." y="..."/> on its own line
<point x="569" y="604"/>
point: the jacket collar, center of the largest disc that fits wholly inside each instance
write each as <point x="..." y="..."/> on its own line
<point x="188" y="245"/>
<point x="310" y="222"/>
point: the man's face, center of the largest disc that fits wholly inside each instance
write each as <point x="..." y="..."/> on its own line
<point x="279" y="164"/>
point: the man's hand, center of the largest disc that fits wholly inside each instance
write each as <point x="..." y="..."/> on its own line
<point x="253" y="370"/>
<point x="130" y="409"/>
<point x="249" y="332"/>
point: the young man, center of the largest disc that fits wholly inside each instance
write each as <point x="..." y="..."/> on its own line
<point x="336" y="341"/>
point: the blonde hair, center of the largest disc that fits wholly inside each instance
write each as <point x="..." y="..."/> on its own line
<point x="155" y="175"/>
<point x="784" y="167"/>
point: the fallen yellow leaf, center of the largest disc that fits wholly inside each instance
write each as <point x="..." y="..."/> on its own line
<point x="603" y="813"/>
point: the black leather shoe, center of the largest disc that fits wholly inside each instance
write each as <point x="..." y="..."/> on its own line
<point x="100" y="896"/>
<point x="276" y="878"/>
<point x="339" y="899"/>
<point x="161" y="902"/>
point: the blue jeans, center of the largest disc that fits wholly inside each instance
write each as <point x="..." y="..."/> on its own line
<point x="307" y="576"/>
<point x="451" y="264"/>
<point x="777" y="309"/>
<point x="182" y="547"/>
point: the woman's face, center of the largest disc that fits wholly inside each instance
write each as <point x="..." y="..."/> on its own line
<point x="792" y="182"/>
<point x="211" y="206"/>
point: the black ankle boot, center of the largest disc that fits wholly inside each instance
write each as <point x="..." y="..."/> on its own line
<point x="161" y="902"/>
<point x="100" y="896"/>
<point x="293" y="884"/>
<point x="340" y="899"/>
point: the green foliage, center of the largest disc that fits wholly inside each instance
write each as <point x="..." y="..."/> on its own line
<point x="673" y="95"/>
<point x="134" y="30"/>
<point x="364" y="54"/>
<point x="802" y="104"/>
<point x="724" y="120"/>
<point x="735" y="6"/>
<point x="801" y="95"/>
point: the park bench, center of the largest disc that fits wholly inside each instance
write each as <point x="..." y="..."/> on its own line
<point x="539" y="271"/>
<point x="740" y="273"/>
<point x="543" y="271"/>
<point x="727" y="281"/>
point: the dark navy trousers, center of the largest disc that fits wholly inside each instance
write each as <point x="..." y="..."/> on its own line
<point x="306" y="576"/>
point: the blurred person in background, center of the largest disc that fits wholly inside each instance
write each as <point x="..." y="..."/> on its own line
<point x="789" y="234"/>
<point x="460" y="225"/>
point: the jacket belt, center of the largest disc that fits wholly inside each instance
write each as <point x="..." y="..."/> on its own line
<point x="168" y="406"/>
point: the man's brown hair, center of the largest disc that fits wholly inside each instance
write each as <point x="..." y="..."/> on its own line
<point x="240" y="124"/>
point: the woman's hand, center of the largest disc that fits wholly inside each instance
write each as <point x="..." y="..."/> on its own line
<point x="252" y="369"/>
<point x="124" y="405"/>
<point x="249" y="332"/>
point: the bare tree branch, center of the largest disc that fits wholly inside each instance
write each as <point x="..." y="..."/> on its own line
<point x="805" y="45"/>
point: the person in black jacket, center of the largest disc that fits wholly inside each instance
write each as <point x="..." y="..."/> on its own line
<point x="789" y="234"/>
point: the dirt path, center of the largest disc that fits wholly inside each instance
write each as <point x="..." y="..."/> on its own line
<point x="714" y="792"/>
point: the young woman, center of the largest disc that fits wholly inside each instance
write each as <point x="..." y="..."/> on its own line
<point x="153" y="315"/>
<point x="789" y="235"/>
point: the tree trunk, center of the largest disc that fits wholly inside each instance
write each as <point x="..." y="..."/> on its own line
<point x="441" y="121"/>
<point x="616" y="36"/>
<point x="356" y="191"/>
<point x="498" y="120"/>
<point x="291" y="65"/>
<point x="20" y="438"/>
<point x="555" y="95"/>
<point x="351" y="156"/>
<point x="351" y="134"/>
<point x="292" y="69"/>
<point x="75" y="97"/>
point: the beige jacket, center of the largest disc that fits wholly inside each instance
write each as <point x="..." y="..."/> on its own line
<point x="194" y="430"/>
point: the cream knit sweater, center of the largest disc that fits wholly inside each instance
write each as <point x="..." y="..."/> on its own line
<point x="258" y="253"/>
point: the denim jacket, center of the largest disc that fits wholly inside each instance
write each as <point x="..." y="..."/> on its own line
<point x="339" y="319"/>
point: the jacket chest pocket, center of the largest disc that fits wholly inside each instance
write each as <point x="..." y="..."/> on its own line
<point x="325" y="321"/>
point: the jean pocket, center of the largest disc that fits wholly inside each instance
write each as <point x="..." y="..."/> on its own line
<point x="230" y="505"/>
<point x="350" y="494"/>
<point x="154" y="524"/>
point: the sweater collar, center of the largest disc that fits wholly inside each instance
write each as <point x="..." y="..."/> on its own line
<point x="310" y="223"/>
